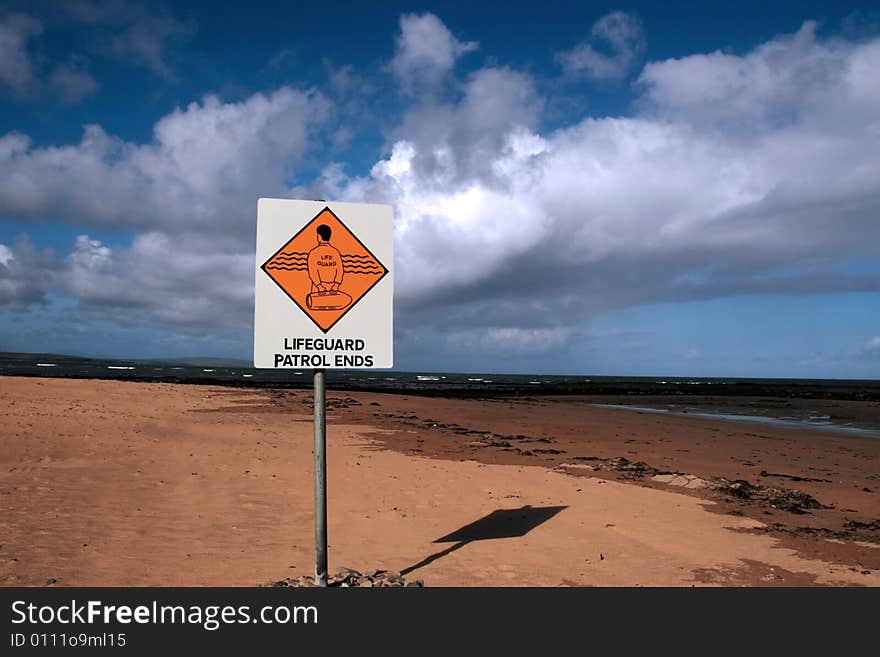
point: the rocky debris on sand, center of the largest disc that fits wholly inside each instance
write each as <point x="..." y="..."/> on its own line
<point x="489" y="443"/>
<point x="682" y="480"/>
<point x="785" y="499"/>
<point x="779" y="475"/>
<point x="852" y="531"/>
<point x="334" y="403"/>
<point x="563" y="467"/>
<point x="858" y="525"/>
<point x="793" y="501"/>
<point x="454" y="428"/>
<point x="348" y="578"/>
<point x="486" y="438"/>
<point x="627" y="469"/>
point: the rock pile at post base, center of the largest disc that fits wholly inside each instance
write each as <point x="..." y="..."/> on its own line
<point x="348" y="578"/>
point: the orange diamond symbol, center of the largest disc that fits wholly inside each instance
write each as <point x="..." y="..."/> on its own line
<point x="325" y="269"/>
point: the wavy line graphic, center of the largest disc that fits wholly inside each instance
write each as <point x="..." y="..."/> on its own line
<point x="354" y="264"/>
<point x="369" y="265"/>
<point x="345" y="256"/>
<point x="349" y="267"/>
<point x="348" y="273"/>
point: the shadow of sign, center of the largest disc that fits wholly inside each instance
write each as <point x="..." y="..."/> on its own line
<point x="502" y="523"/>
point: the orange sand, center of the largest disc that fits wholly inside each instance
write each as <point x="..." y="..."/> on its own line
<point x="115" y="483"/>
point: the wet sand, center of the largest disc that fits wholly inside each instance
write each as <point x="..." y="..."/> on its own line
<point x="122" y="483"/>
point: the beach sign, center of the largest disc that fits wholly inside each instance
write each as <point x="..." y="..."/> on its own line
<point x="324" y="285"/>
<point x="322" y="300"/>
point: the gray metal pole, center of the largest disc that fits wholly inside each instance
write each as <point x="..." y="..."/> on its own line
<point x="320" y="481"/>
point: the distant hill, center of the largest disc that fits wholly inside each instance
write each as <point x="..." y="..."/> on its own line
<point x="16" y="355"/>
<point x="199" y="362"/>
<point x="183" y="361"/>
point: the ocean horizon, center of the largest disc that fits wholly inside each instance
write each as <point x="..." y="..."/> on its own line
<point x="725" y="398"/>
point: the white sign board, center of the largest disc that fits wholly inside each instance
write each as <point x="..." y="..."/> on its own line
<point x="324" y="285"/>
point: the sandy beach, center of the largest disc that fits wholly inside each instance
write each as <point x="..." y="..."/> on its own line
<point x="111" y="483"/>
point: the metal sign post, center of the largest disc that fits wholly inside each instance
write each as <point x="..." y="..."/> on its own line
<point x="320" y="481"/>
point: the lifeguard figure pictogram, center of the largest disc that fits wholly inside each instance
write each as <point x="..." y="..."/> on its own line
<point x="326" y="270"/>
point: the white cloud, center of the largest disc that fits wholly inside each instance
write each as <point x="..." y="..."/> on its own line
<point x="16" y="65"/>
<point x="789" y="78"/>
<point x="459" y="141"/>
<point x="621" y="34"/>
<point x="426" y="51"/>
<point x="179" y="281"/>
<point x="505" y="225"/>
<point x="203" y="170"/>
<point x="190" y="193"/>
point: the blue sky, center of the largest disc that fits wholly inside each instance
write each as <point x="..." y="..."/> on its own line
<point x="671" y="188"/>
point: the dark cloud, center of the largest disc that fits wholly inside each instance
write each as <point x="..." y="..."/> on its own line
<point x="26" y="274"/>
<point x="17" y="66"/>
<point x="144" y="33"/>
<point x="615" y="46"/>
